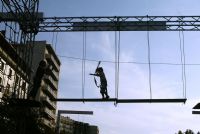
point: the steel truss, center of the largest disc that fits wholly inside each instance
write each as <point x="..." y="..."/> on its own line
<point x="120" y="23"/>
<point x="21" y="29"/>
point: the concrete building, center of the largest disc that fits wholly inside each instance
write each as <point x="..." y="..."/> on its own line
<point x="69" y="126"/>
<point x="14" y="80"/>
<point x="49" y="84"/>
<point x="66" y="125"/>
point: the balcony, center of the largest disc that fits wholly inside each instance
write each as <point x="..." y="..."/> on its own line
<point x="49" y="91"/>
<point x="53" y="62"/>
<point x="54" y="74"/>
<point x="49" y="113"/>
<point x="49" y="80"/>
<point x="48" y="102"/>
<point x="47" y="123"/>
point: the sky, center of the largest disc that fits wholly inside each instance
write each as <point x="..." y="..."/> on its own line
<point x="166" y="80"/>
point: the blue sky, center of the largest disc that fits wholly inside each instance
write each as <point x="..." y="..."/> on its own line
<point x="166" y="79"/>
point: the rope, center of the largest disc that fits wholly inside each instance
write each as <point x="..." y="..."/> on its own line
<point x="118" y="58"/>
<point x="83" y="64"/>
<point x="130" y="62"/>
<point x="52" y="41"/>
<point x="56" y="41"/>
<point x="181" y="58"/>
<point x="115" y="67"/>
<point x="149" y="59"/>
<point x="184" y="72"/>
<point x="182" y="52"/>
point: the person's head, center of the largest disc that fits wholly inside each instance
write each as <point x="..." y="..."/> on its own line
<point x="99" y="70"/>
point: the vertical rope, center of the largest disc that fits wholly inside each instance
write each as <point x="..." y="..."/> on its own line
<point x="118" y="60"/>
<point x="83" y="64"/>
<point x="56" y="41"/>
<point x="116" y="67"/>
<point x="149" y="59"/>
<point x="52" y="41"/>
<point x="182" y="51"/>
<point x="184" y="58"/>
<point x="182" y="64"/>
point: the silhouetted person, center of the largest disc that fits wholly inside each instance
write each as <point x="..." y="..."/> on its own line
<point x="103" y="82"/>
<point x="41" y="70"/>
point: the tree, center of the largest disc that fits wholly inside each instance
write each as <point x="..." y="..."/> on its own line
<point x="189" y="131"/>
<point x="180" y="132"/>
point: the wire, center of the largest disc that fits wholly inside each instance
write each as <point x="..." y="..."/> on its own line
<point x="118" y="59"/>
<point x="184" y="70"/>
<point x="182" y="66"/>
<point x="130" y="62"/>
<point x="56" y="41"/>
<point x="149" y="59"/>
<point x="83" y="64"/>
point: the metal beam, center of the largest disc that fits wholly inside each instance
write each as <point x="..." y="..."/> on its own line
<point x="195" y="112"/>
<point x="74" y="112"/>
<point x="123" y="100"/>
<point x="151" y="100"/>
<point x="120" y="23"/>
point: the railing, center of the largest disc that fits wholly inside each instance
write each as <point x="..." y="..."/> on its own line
<point x="49" y="91"/>
<point x="48" y="101"/>
<point x="49" y="112"/>
<point x="54" y="62"/>
<point x="54" y="74"/>
<point x="52" y="82"/>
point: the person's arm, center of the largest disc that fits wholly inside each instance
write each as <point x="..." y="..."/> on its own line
<point x="94" y="74"/>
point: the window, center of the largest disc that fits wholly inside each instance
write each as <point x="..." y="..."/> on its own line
<point x="24" y="85"/>
<point x="7" y="89"/>
<point x="17" y="79"/>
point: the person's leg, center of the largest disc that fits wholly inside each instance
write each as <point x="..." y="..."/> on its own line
<point x="106" y="93"/>
<point x="102" y="93"/>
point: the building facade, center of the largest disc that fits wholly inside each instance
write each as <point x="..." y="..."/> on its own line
<point x="69" y="126"/>
<point x="49" y="84"/>
<point x="14" y="81"/>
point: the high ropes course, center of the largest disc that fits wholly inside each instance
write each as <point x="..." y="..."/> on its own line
<point x="38" y="23"/>
<point x="117" y="62"/>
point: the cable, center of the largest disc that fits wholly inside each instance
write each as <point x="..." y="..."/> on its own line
<point x="118" y="59"/>
<point x="83" y="64"/>
<point x="184" y="70"/>
<point x="182" y="67"/>
<point x="149" y="60"/>
<point x="130" y="62"/>
<point x="56" y="41"/>
<point x="52" y="41"/>
<point x="115" y="66"/>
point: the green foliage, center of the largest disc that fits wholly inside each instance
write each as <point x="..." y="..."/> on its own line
<point x="188" y="131"/>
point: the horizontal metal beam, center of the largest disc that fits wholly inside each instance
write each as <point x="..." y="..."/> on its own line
<point x="151" y="100"/>
<point x="195" y="112"/>
<point x="74" y="112"/>
<point x="120" y="23"/>
<point x="123" y="100"/>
